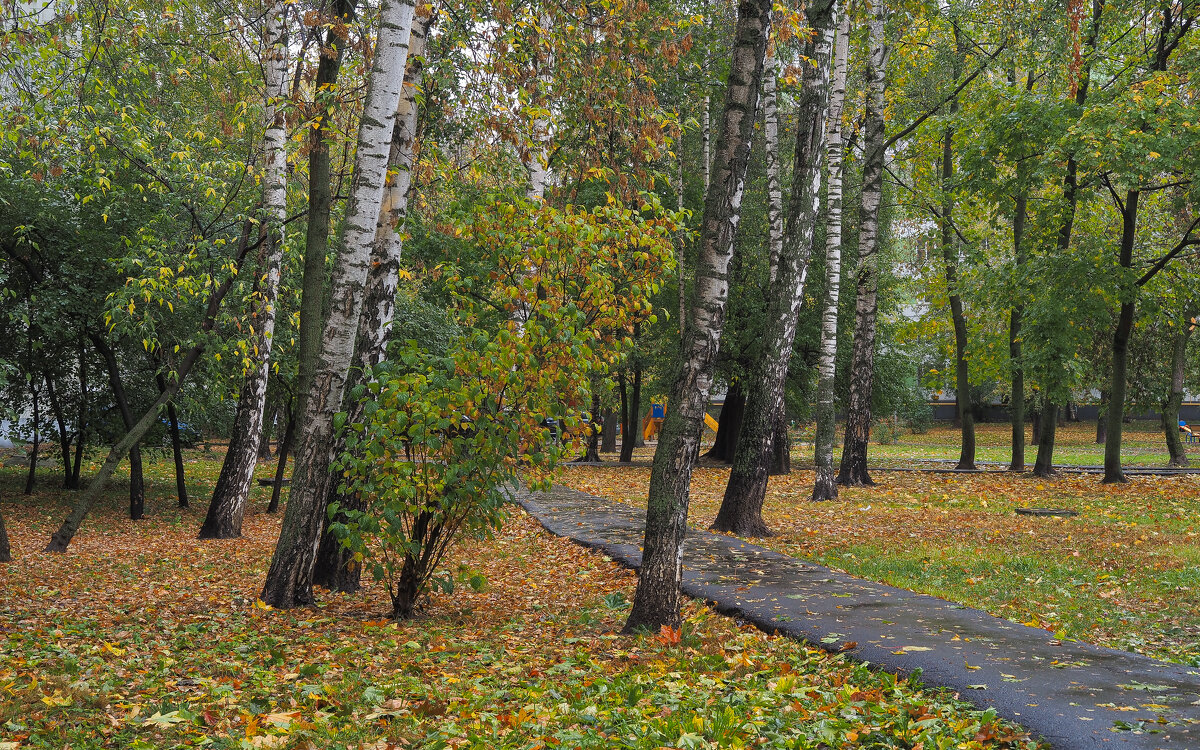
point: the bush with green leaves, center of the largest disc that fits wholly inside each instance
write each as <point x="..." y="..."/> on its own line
<point x="452" y="422"/>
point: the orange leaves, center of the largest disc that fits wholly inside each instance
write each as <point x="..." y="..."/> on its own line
<point x="669" y="636"/>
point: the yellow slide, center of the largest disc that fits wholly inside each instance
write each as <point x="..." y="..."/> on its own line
<point x="712" y="423"/>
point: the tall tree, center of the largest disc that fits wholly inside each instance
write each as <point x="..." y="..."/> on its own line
<point x="824" y="485"/>
<point x="335" y="566"/>
<point x="1044" y="465"/>
<point x="232" y="491"/>
<point x="853" y="470"/>
<point x="289" y="580"/>
<point x="320" y="200"/>
<point x="741" y="507"/>
<point x="656" y="601"/>
<point x="1174" y="24"/>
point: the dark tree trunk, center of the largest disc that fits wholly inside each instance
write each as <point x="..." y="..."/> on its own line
<point x="268" y="429"/>
<point x="781" y="448"/>
<point x="625" y="421"/>
<point x="320" y="202"/>
<point x="608" y="443"/>
<point x="1120" y="351"/>
<point x="656" y="602"/>
<point x="1102" y="419"/>
<point x="853" y="469"/>
<point x="729" y="424"/>
<point x="137" y="491"/>
<point x="1170" y="409"/>
<point x="633" y="428"/>
<point x="64" y="438"/>
<point x="285" y="447"/>
<point x="1044" y="466"/>
<point x="963" y="413"/>
<point x="31" y="478"/>
<point x="81" y="427"/>
<point x="1017" y="463"/>
<point x="5" y="549"/>
<point x="176" y="445"/>
<point x="741" y="507"/>
<point x="1036" y="422"/>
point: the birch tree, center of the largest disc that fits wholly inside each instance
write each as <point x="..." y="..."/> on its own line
<point x="825" y="486"/>
<point x="656" y="602"/>
<point x="289" y="580"/>
<point x="335" y="568"/>
<point x="741" y="508"/>
<point x="228" y="506"/>
<point x="853" y="470"/>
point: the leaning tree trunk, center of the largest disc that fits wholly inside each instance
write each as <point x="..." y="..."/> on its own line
<point x="1170" y="410"/>
<point x="232" y="492"/>
<point x="1120" y="351"/>
<point x="176" y="446"/>
<point x="741" y="507"/>
<point x="656" y="602"/>
<point x="320" y="199"/>
<point x="853" y="470"/>
<point x="335" y="566"/>
<point x="62" y="537"/>
<point x="825" y="485"/>
<point x="289" y="580"/>
<point x="5" y="549"/>
<point x="137" y="490"/>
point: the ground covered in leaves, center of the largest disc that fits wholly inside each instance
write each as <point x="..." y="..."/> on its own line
<point x="1124" y="573"/>
<point x="144" y="637"/>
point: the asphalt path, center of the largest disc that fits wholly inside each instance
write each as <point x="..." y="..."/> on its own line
<point x="1073" y="695"/>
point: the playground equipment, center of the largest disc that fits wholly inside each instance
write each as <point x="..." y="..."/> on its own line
<point x="654" y="419"/>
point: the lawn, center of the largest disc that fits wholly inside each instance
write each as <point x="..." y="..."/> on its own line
<point x="1142" y="444"/>
<point x="1122" y="574"/>
<point x="143" y="637"/>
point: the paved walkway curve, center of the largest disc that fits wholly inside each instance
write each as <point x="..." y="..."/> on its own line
<point x="1074" y="695"/>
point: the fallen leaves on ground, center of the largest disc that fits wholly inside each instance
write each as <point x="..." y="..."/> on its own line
<point x="144" y="637"/>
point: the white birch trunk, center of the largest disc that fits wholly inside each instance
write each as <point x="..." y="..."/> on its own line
<point x="741" y="507"/>
<point x="853" y="470"/>
<point x="537" y="156"/>
<point x="334" y="566"/>
<point x="825" y="487"/>
<point x="289" y="580"/>
<point x="706" y="141"/>
<point x="228" y="506"/>
<point x="771" y="145"/>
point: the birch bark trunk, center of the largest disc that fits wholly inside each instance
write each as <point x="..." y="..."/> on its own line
<point x="741" y="507"/>
<point x="825" y="486"/>
<point x="657" y="600"/>
<point x="335" y="566"/>
<point x="853" y="469"/>
<point x="228" y="507"/>
<point x="289" y="580"/>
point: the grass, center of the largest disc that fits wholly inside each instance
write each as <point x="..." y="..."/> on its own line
<point x="1142" y="444"/>
<point x="144" y="637"/>
<point x="1122" y="574"/>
